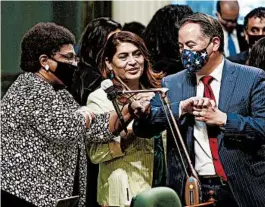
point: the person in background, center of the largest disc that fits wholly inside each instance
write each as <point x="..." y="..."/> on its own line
<point x="220" y="107"/>
<point x="134" y="27"/>
<point x="256" y="56"/>
<point x="161" y="38"/>
<point x="127" y="165"/>
<point x="227" y="14"/>
<point x="43" y="130"/>
<point x="88" y="76"/>
<point x="254" y="26"/>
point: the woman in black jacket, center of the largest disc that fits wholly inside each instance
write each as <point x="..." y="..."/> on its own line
<point x="88" y="77"/>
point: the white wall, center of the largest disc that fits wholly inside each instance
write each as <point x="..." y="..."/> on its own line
<point x="140" y="11"/>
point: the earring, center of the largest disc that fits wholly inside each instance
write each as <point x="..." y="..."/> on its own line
<point x="111" y="75"/>
<point x="47" y="67"/>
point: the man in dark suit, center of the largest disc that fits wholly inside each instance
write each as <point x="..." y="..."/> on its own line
<point x="254" y="29"/>
<point x="220" y="107"/>
<point x="227" y="14"/>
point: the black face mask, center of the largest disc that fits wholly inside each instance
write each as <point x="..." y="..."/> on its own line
<point x="253" y="38"/>
<point x="65" y="72"/>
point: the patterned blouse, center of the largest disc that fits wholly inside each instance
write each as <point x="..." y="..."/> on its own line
<point x="41" y="134"/>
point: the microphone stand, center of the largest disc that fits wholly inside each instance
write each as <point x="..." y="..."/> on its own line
<point x="159" y="90"/>
<point x="192" y="187"/>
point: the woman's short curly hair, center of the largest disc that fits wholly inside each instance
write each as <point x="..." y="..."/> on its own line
<point x="43" y="38"/>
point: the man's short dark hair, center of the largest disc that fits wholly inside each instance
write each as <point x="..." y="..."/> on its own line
<point x="210" y="27"/>
<point x="43" y="38"/>
<point x="258" y="12"/>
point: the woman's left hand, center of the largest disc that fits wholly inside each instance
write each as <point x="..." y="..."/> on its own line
<point x="141" y="106"/>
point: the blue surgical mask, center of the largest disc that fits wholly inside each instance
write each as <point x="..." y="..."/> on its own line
<point x="194" y="61"/>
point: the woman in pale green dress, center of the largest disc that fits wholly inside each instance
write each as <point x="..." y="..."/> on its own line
<point x="128" y="165"/>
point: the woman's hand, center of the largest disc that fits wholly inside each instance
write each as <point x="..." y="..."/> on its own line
<point x="127" y="139"/>
<point x="141" y="106"/>
<point x="137" y="108"/>
<point x="145" y="96"/>
<point x="88" y="115"/>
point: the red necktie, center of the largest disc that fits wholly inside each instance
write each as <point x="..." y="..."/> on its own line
<point x="208" y="92"/>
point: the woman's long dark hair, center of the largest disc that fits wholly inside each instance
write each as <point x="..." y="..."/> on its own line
<point x="161" y="34"/>
<point x="161" y="38"/>
<point x="94" y="37"/>
<point x="88" y="77"/>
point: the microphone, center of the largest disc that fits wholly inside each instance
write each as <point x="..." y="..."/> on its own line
<point x="109" y="89"/>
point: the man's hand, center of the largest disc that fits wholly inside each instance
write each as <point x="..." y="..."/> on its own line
<point x="204" y="109"/>
<point x="201" y="103"/>
<point x="187" y="106"/>
<point x="210" y="115"/>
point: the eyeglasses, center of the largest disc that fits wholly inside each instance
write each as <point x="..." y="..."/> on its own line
<point x="70" y="57"/>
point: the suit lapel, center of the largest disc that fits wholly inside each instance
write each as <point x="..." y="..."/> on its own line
<point x="189" y="90"/>
<point x="228" y="83"/>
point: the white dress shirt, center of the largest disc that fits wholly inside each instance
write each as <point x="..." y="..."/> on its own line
<point x="235" y="40"/>
<point x="203" y="156"/>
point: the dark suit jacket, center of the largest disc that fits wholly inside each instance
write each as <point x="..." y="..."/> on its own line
<point x="168" y="66"/>
<point x="240" y="58"/>
<point x="241" y="142"/>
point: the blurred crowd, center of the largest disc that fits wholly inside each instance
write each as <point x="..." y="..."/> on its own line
<point x="58" y="122"/>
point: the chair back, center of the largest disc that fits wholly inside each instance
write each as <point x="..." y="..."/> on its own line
<point x="156" y="197"/>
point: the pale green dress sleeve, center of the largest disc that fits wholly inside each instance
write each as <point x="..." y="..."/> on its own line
<point x="101" y="152"/>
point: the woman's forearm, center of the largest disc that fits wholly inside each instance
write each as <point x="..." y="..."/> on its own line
<point x="115" y="125"/>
